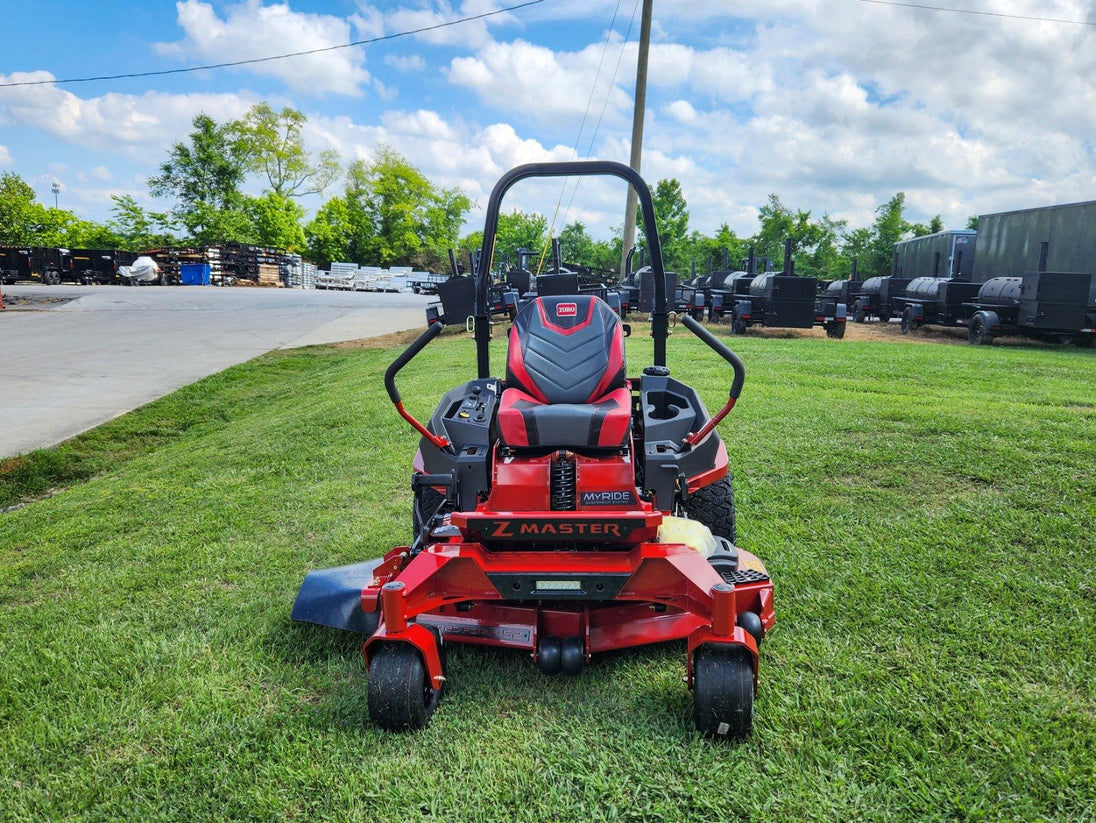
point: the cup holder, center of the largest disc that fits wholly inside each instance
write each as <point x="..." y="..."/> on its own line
<point x="664" y="405"/>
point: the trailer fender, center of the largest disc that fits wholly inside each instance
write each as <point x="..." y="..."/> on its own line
<point x="983" y="325"/>
<point x="740" y="318"/>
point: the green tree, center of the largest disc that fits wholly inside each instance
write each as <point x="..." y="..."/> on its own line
<point x="816" y="243"/>
<point x="329" y="233"/>
<point x="274" y="149"/>
<point x="204" y="178"/>
<point x="672" y="217"/>
<point x="26" y="222"/>
<point x="889" y="227"/>
<point x="818" y="252"/>
<point x="397" y="216"/>
<point x="777" y="224"/>
<point x="575" y="244"/>
<point x="856" y="246"/>
<point x="518" y="230"/>
<point x="135" y="228"/>
<point x="21" y="214"/>
<point x="707" y="251"/>
<point x="276" y="221"/>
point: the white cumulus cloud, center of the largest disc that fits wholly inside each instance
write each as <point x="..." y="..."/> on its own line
<point x="251" y="30"/>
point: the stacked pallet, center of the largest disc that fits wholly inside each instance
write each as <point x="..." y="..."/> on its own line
<point x="269" y="275"/>
<point x="232" y="263"/>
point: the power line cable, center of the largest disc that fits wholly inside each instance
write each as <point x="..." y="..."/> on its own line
<point x="286" y="56"/>
<point x="982" y="13"/>
<point x="578" y="138"/>
<point x="604" y="106"/>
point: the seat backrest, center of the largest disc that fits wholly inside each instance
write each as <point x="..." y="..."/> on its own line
<point x="566" y="349"/>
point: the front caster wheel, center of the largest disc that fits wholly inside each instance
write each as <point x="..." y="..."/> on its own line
<point x="401" y="696"/>
<point x="572" y="657"/>
<point x="723" y="692"/>
<point x="549" y="655"/>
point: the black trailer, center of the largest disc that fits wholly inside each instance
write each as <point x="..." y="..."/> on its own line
<point x="877" y="298"/>
<point x="40" y="264"/>
<point x="932" y="301"/>
<point x="100" y="266"/>
<point x="1042" y="264"/>
<point x="15" y="264"/>
<point x="50" y="265"/>
<point x="1058" y="306"/>
<point x="842" y="291"/>
<point x="785" y="300"/>
<point x="727" y="288"/>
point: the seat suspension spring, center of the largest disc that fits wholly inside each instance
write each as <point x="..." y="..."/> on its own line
<point x="563" y="482"/>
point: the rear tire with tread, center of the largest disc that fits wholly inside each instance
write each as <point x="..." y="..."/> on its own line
<point x="427" y="503"/>
<point x="713" y="506"/>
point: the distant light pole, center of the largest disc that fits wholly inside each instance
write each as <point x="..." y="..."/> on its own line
<point x="56" y="189"/>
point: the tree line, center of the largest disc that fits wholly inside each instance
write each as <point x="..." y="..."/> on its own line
<point x="390" y="213"/>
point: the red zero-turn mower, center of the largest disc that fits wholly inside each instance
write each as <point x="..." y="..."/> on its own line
<point x="564" y="510"/>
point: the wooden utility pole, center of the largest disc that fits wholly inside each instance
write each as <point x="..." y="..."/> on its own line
<point x="637" y="131"/>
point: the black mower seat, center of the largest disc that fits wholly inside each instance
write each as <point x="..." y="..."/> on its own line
<point x="565" y="376"/>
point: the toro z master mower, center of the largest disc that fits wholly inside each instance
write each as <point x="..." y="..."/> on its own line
<point x="564" y="509"/>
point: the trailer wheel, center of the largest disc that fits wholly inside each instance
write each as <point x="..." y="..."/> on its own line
<point x="979" y="330"/>
<point x="835" y="329"/>
<point x="400" y="694"/>
<point x="858" y="313"/>
<point x="723" y="692"/>
<point x="714" y="507"/>
<point x="907" y="320"/>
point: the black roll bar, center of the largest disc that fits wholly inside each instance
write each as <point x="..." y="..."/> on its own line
<point x="659" y="319"/>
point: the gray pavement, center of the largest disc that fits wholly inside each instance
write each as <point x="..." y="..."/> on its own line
<point x="66" y="367"/>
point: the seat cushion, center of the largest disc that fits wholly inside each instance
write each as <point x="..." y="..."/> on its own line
<point x="526" y="422"/>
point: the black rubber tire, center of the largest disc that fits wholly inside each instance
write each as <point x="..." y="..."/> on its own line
<point x="400" y="695"/>
<point x="839" y="331"/>
<point x="428" y="502"/>
<point x="549" y="654"/>
<point x="714" y="507"/>
<point x="979" y="334"/>
<point x="572" y="659"/>
<point x="858" y="313"/>
<point x="723" y="692"/>
<point x="907" y="319"/>
<point x="738" y="326"/>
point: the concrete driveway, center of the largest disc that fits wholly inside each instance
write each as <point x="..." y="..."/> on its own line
<point x="72" y="357"/>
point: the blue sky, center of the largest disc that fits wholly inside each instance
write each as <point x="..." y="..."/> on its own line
<point x="834" y="105"/>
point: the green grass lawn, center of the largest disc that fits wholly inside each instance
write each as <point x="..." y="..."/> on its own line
<point x="928" y="514"/>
